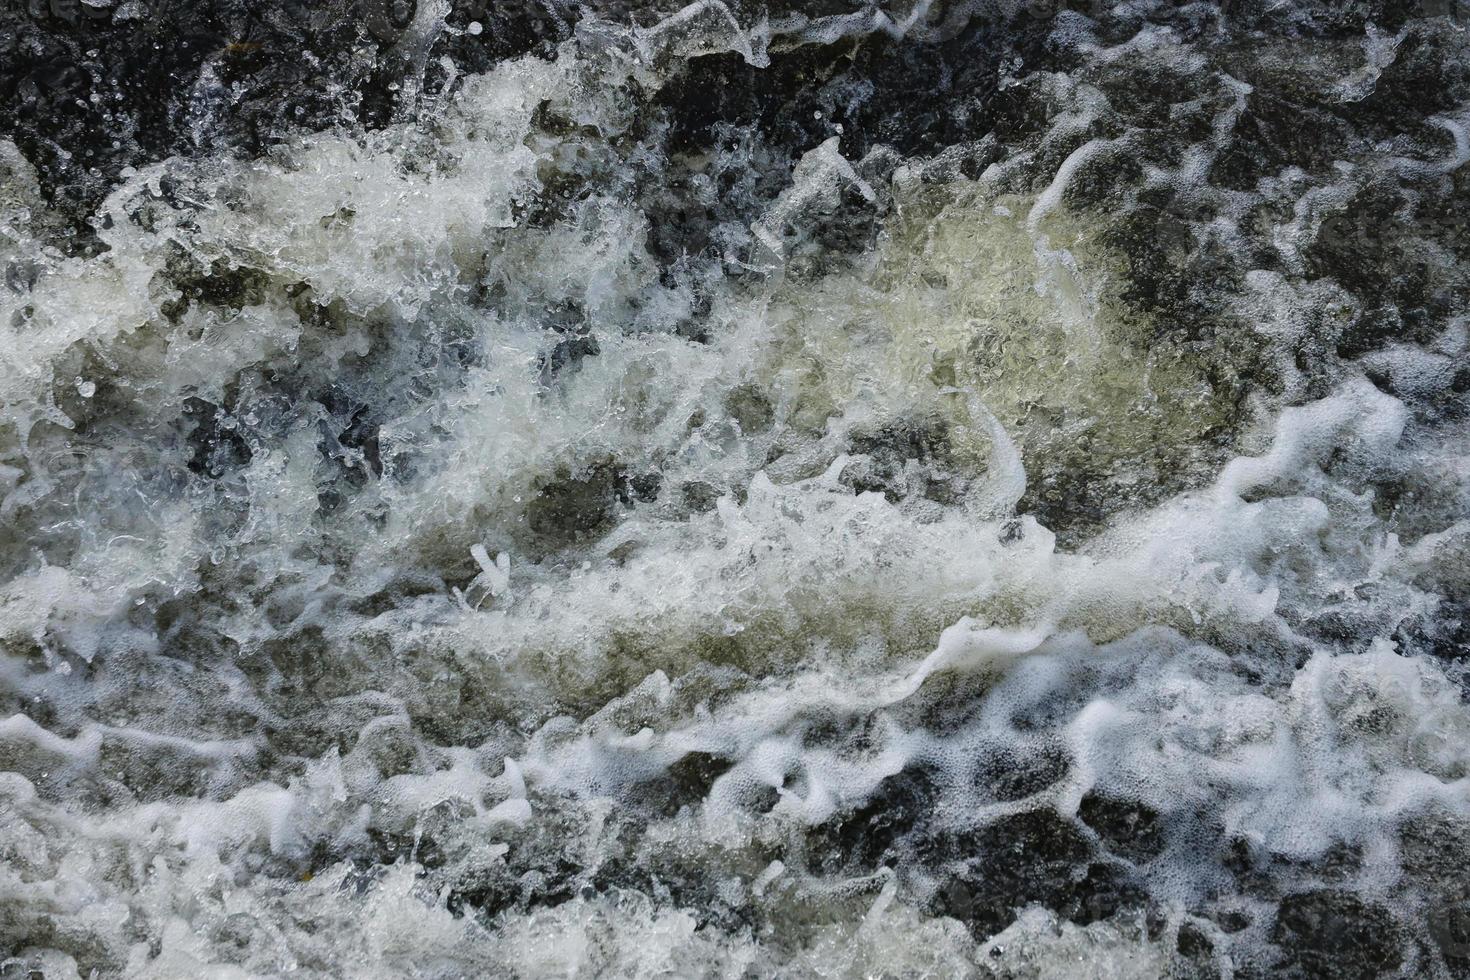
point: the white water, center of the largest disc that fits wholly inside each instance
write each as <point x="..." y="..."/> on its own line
<point x="473" y="696"/>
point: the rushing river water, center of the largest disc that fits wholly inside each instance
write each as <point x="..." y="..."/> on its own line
<point x="804" y="488"/>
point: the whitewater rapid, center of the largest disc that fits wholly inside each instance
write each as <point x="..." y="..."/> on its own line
<point x="923" y="489"/>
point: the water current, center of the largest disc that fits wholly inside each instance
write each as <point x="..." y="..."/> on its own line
<point x="802" y="488"/>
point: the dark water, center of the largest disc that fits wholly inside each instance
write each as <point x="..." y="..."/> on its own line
<point x="757" y="489"/>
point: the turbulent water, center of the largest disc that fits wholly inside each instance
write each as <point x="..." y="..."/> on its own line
<point x="813" y="488"/>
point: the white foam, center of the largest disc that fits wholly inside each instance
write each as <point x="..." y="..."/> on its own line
<point x="255" y="696"/>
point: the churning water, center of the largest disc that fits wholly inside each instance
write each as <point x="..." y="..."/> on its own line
<point x="803" y="489"/>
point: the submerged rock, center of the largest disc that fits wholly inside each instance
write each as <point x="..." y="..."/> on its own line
<point x="1336" y="934"/>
